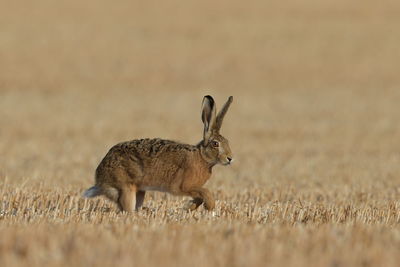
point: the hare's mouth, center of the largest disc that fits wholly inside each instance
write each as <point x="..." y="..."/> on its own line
<point x="228" y="161"/>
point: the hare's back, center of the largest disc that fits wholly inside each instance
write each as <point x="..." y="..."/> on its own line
<point x="143" y="154"/>
<point x="153" y="148"/>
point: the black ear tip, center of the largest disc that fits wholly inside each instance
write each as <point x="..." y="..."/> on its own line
<point x="230" y="99"/>
<point x="209" y="98"/>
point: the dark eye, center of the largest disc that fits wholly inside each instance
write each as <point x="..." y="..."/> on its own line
<point x="214" y="144"/>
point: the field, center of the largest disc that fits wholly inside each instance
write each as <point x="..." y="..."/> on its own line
<point x="314" y="128"/>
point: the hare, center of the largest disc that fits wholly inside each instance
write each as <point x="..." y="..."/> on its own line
<point x="129" y="169"/>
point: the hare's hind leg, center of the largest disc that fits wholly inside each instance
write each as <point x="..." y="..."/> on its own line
<point x="111" y="193"/>
<point x="127" y="198"/>
<point x="139" y="199"/>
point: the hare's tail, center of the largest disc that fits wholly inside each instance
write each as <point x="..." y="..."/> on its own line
<point x="108" y="191"/>
<point x="94" y="191"/>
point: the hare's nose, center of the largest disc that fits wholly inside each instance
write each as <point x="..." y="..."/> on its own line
<point x="229" y="159"/>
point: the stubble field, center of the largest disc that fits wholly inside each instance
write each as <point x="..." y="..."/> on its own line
<point x="314" y="128"/>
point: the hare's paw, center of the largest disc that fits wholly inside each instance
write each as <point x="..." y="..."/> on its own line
<point x="193" y="204"/>
<point x="210" y="204"/>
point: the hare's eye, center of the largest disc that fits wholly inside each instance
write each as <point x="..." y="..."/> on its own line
<point x="214" y="143"/>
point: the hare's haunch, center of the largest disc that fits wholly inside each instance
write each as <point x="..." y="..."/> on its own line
<point x="131" y="168"/>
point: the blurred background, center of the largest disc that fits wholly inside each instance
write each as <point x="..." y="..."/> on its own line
<point x="314" y="128"/>
<point x="315" y="86"/>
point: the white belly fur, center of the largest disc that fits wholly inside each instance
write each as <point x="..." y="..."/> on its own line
<point x="152" y="188"/>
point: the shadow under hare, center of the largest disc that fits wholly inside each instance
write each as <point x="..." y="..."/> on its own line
<point x="129" y="169"/>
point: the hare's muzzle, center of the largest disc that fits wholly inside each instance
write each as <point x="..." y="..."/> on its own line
<point x="228" y="161"/>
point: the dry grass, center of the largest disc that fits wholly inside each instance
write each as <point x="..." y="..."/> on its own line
<point x="314" y="128"/>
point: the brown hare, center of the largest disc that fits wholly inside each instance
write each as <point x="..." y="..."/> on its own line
<point x="131" y="168"/>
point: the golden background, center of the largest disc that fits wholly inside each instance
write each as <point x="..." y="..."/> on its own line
<point x="313" y="128"/>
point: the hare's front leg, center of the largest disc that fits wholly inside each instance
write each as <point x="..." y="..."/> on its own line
<point x="193" y="204"/>
<point x="201" y="195"/>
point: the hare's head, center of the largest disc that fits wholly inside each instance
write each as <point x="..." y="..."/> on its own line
<point x="214" y="147"/>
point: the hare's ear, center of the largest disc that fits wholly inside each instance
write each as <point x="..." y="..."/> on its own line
<point x="208" y="117"/>
<point x="221" y="114"/>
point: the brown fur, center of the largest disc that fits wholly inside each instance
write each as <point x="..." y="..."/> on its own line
<point x="131" y="168"/>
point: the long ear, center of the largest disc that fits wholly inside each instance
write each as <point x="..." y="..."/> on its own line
<point x="221" y="114"/>
<point x="208" y="117"/>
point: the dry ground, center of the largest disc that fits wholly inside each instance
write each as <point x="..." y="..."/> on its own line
<point x="314" y="127"/>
